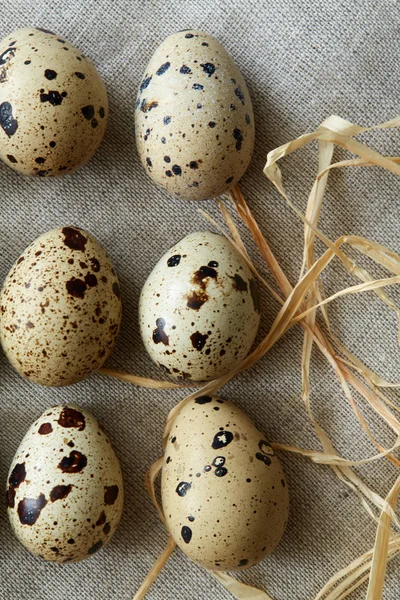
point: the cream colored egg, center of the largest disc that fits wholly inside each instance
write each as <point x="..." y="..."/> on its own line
<point x="60" y="308"/>
<point x="224" y="493"/>
<point x="199" y="309"/>
<point x="64" y="490"/>
<point x="53" y="104"/>
<point x="194" y="117"/>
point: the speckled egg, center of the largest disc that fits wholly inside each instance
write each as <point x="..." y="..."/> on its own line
<point x="194" y="117"/>
<point x="53" y="104"/>
<point x="65" y="490"/>
<point x="199" y="309"/>
<point x="224" y="493"/>
<point x="60" y="308"/>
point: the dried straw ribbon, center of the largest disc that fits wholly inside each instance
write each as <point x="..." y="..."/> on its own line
<point x="300" y="305"/>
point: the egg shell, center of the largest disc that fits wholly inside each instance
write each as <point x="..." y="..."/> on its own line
<point x="199" y="309"/>
<point x="60" y="308"/>
<point x="64" y="490"/>
<point x="194" y="117"/>
<point x="224" y="493"/>
<point x="53" y="104"/>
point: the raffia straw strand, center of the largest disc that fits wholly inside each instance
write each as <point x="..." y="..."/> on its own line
<point x="323" y="344"/>
<point x="380" y="551"/>
<point x="239" y="590"/>
<point x="155" y="570"/>
<point x="141" y="381"/>
<point x="355" y="568"/>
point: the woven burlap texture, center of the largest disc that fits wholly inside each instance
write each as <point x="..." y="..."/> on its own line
<point x="302" y="62"/>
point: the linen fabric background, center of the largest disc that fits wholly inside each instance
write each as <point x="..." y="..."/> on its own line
<point x="302" y="62"/>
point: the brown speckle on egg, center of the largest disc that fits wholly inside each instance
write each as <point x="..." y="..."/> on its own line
<point x="111" y="494"/>
<point x="70" y="417"/>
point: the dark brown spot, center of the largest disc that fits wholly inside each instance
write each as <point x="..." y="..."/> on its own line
<point x="161" y="70"/>
<point x="186" y="534"/>
<point x="17" y="476"/>
<point x="198" y="340"/>
<point x="116" y="290"/>
<point x="45" y="429"/>
<point x="202" y="274"/>
<point x="70" y="417"/>
<point x="208" y="68"/>
<point x="88" y="112"/>
<point x="10" y="497"/>
<point x="237" y="134"/>
<point x="159" y="335"/>
<point x="174" y="260"/>
<point x="222" y="439"/>
<point x="239" y="94"/>
<point x="182" y="488"/>
<point x="148" y="105"/>
<point x="76" y="288"/>
<point x="50" y="74"/>
<point x="53" y="97"/>
<point x="196" y="300"/>
<point x="265" y="448"/>
<point x="95" y="548"/>
<point x="255" y="295"/>
<point x="95" y="265"/>
<point x="203" y="400"/>
<point x="145" y="84"/>
<point x="264" y="458"/>
<point x="239" y="284"/>
<point x="74" y="239"/>
<point x="110" y="494"/>
<point x="12" y="158"/>
<point x="59" y="492"/>
<point x="7" y="121"/>
<point x="91" y="280"/>
<point x="74" y="463"/>
<point x="29" y="509"/>
<point x="107" y="528"/>
<point x="101" y="520"/>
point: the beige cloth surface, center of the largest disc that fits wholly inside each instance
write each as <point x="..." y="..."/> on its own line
<point x="302" y="62"/>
